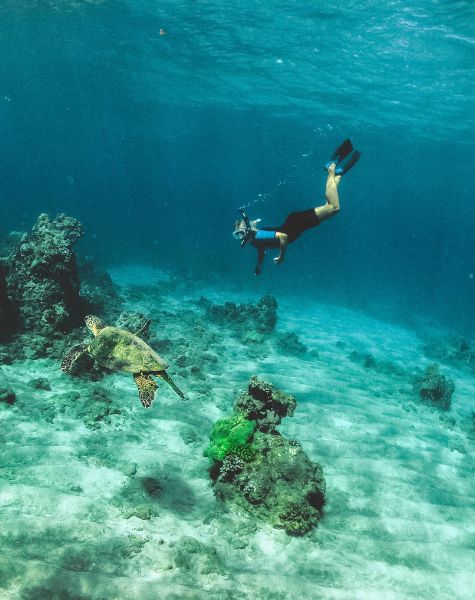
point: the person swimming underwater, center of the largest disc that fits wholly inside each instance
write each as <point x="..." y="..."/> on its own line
<point x="267" y="238"/>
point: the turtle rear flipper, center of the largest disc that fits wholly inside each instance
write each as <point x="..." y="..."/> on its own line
<point x="146" y="387"/>
<point x="71" y="357"/>
<point x="166" y="377"/>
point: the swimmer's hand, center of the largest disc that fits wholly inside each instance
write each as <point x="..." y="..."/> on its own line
<point x="258" y="271"/>
<point x="278" y="260"/>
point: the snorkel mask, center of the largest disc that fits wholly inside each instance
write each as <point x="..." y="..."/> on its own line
<point x="243" y="233"/>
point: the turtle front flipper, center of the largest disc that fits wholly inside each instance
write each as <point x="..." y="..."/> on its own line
<point x="166" y="377"/>
<point x="146" y="387"/>
<point x="71" y="357"/>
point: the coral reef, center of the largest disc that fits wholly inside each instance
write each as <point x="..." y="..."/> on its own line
<point x="7" y="317"/>
<point x="256" y="468"/>
<point x="260" y="318"/>
<point x="230" y="436"/>
<point x="42" y="280"/>
<point x="253" y="325"/>
<point x="94" y="407"/>
<point x="265" y="405"/>
<point x="434" y="388"/>
<point x="45" y="291"/>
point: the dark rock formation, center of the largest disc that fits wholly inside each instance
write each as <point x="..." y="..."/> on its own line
<point x="8" y="316"/>
<point x="7" y="395"/>
<point x="41" y="296"/>
<point x="434" y="388"/>
<point x="289" y="343"/>
<point x="265" y="405"/>
<point x="256" y="468"/>
<point x="42" y="281"/>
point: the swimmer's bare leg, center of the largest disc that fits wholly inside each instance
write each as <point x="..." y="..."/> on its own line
<point x="332" y="205"/>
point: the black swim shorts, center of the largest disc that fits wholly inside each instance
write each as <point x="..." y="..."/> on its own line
<point x="298" y="222"/>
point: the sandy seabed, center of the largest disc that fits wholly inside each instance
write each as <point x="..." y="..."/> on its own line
<point x="122" y="507"/>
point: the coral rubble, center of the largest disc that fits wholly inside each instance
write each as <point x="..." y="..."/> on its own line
<point x="256" y="468"/>
<point x="253" y="325"/>
<point x="260" y="317"/>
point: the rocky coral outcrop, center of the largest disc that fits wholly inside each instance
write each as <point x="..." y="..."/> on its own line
<point x="434" y="388"/>
<point x="42" y="281"/>
<point x="7" y="395"/>
<point x="45" y="291"/>
<point x="256" y="468"/>
<point x="253" y="325"/>
<point x="260" y="318"/>
<point x="265" y="405"/>
<point x="8" y="315"/>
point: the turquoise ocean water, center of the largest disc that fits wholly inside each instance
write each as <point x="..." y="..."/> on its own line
<point x="153" y="141"/>
<point x="152" y="121"/>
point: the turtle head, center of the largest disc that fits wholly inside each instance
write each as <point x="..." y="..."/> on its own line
<point x="94" y="324"/>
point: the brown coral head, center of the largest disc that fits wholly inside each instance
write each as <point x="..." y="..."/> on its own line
<point x="94" y="323"/>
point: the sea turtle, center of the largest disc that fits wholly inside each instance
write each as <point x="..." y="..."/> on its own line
<point x="120" y="350"/>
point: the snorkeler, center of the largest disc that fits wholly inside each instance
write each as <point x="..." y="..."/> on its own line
<point x="266" y="238"/>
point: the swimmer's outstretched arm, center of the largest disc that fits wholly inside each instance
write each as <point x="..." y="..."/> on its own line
<point x="260" y="259"/>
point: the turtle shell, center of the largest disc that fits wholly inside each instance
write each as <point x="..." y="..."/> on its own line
<point x="120" y="350"/>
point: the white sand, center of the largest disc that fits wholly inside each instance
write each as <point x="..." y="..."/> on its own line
<point x="399" y="519"/>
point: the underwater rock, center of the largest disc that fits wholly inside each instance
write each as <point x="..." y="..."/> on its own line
<point x="95" y="408"/>
<point x="289" y="343"/>
<point x="42" y="280"/>
<point x="255" y="468"/>
<point x="6" y="357"/>
<point x="368" y="361"/>
<point x="260" y="318"/>
<point x="8" y="316"/>
<point x="192" y="555"/>
<point x="456" y="350"/>
<point x="265" y="405"/>
<point x="40" y="383"/>
<point x="7" y="395"/>
<point x="434" y="388"/>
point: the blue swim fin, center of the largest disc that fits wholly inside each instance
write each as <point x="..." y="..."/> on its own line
<point x="340" y="154"/>
<point x="349" y="164"/>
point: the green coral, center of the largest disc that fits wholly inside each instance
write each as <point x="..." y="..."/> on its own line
<point x="246" y="453"/>
<point x="231" y="435"/>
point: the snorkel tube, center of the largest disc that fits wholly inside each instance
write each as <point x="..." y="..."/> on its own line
<point x="246" y="220"/>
